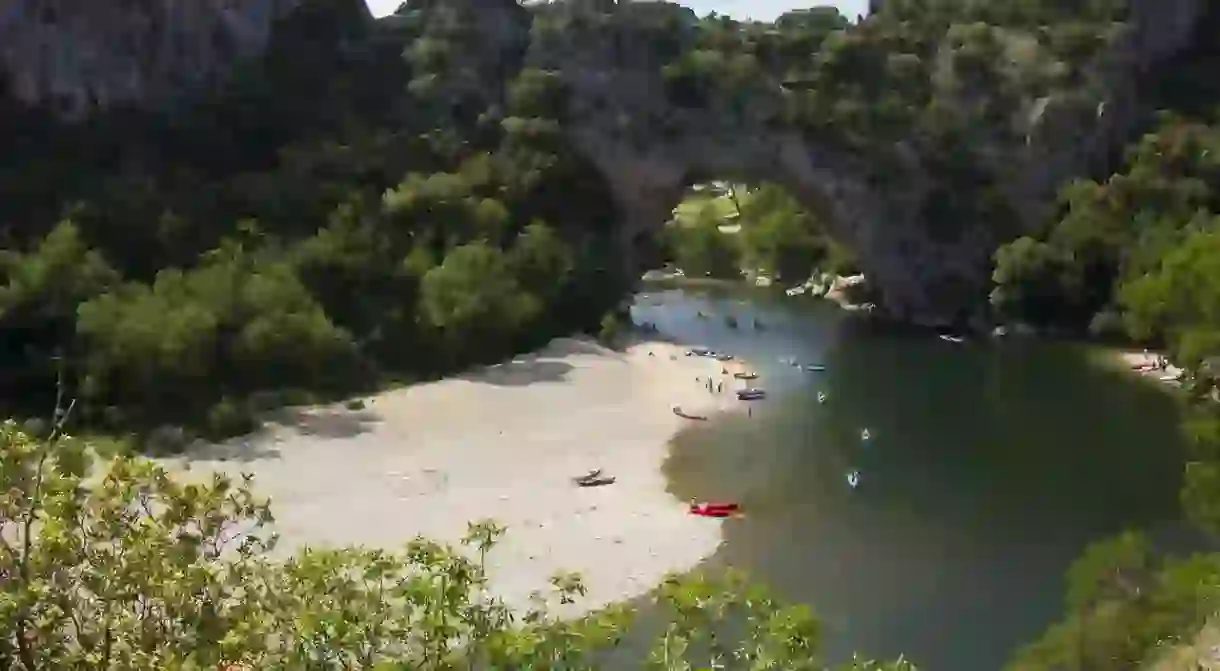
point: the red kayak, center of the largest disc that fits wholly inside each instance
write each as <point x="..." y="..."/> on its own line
<point x="714" y="509"/>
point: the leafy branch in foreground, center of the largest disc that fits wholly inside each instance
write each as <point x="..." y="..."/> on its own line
<point x="119" y="565"/>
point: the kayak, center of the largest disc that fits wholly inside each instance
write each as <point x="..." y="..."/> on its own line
<point x="853" y="479"/>
<point x="591" y="475"/>
<point x="714" y="509"/>
<point x="815" y="368"/>
<point x="596" y="482"/>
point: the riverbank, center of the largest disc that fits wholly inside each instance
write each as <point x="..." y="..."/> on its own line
<point x="502" y="442"/>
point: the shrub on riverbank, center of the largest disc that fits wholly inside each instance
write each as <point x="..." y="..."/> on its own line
<point x="123" y="566"/>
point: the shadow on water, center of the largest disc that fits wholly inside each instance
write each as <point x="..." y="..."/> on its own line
<point x="991" y="465"/>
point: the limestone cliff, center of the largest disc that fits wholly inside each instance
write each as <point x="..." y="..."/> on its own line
<point x="76" y="56"/>
<point x="649" y="149"/>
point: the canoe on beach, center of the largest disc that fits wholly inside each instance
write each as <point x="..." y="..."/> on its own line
<point x="683" y="415"/>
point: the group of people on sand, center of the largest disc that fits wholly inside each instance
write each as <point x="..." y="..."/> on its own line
<point x="1159" y="364"/>
<point x="717" y="388"/>
<point x="1155" y="362"/>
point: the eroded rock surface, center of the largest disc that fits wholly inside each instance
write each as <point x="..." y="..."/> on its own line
<point x="78" y="56"/>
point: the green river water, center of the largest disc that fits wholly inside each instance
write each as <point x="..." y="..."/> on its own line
<point x="991" y="465"/>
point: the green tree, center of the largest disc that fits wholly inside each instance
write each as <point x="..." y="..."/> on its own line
<point x="702" y="249"/>
<point x="1181" y="299"/>
<point x="1034" y="282"/>
<point x="779" y="235"/>
<point x="473" y="296"/>
<point x="538" y="93"/>
<point x="1124" y="601"/>
<point x="239" y="323"/>
<point x="542" y="261"/>
<point x="39" y="294"/>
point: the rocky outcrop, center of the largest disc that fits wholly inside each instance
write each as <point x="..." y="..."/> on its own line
<point x="850" y="292"/>
<point x="650" y="150"/>
<point x="1070" y="133"/>
<point x="621" y="117"/>
<point x="77" y="56"/>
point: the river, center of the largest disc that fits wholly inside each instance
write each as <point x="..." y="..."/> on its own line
<point x="990" y="466"/>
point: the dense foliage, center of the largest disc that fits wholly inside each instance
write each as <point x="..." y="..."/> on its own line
<point x="138" y="570"/>
<point x="763" y="229"/>
<point x="1115" y="236"/>
<point x="334" y="217"/>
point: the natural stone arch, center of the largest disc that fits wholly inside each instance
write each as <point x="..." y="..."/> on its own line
<point x="648" y="184"/>
<point x="648" y="149"/>
<point x="645" y="144"/>
<point x="925" y="272"/>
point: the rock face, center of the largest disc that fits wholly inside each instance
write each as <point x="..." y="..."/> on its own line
<point x="1068" y="133"/>
<point x="620" y="116"/>
<point x="650" y="150"/>
<point x="77" y="56"/>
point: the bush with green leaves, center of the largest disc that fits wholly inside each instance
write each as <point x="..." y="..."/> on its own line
<point x="118" y="564"/>
<point x="1124" y="602"/>
<point x="1116" y="234"/>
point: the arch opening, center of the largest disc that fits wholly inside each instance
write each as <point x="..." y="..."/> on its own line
<point x="734" y="229"/>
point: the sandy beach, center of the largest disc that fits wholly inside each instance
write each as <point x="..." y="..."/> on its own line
<point x="503" y="442"/>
